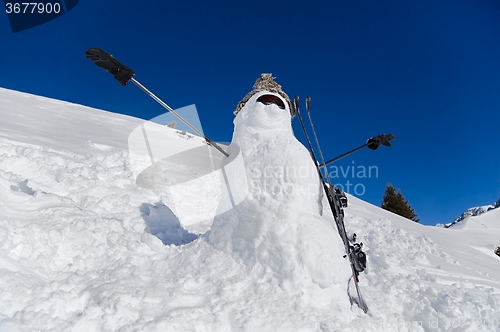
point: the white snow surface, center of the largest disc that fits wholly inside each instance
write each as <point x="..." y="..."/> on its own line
<point x="84" y="248"/>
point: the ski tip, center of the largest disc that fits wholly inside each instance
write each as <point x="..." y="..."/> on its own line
<point x="308" y="104"/>
<point x="296" y="102"/>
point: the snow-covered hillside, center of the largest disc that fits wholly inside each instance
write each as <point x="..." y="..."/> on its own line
<point x="472" y="212"/>
<point x="84" y="248"/>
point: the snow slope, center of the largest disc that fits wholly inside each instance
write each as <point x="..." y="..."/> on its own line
<point x="84" y="248"/>
<point x="471" y="212"/>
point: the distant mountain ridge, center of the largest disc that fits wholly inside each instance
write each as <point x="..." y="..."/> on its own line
<point x="472" y="212"/>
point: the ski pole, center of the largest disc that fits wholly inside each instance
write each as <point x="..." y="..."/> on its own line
<point x="373" y="143"/>
<point x="124" y="74"/>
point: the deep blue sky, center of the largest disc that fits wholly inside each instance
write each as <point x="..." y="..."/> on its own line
<point x="426" y="71"/>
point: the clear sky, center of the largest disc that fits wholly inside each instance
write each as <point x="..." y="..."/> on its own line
<point x="426" y="71"/>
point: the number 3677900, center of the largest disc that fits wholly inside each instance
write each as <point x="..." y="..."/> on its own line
<point x="32" y="8"/>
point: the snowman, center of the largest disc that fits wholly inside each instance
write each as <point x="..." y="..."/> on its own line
<point x="278" y="228"/>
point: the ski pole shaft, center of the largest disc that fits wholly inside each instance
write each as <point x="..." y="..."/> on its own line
<point x="373" y="143"/>
<point x="171" y="110"/>
<point x="124" y="74"/>
<point x="343" y="155"/>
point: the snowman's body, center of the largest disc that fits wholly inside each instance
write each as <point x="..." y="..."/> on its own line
<point x="279" y="225"/>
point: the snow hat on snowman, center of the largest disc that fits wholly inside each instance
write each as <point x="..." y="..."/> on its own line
<point x="266" y="82"/>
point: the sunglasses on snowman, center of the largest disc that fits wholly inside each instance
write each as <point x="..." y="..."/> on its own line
<point x="271" y="99"/>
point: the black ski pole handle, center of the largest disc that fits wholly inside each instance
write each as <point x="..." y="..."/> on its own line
<point x="103" y="59"/>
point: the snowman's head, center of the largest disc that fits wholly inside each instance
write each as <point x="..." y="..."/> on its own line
<point x="266" y="83"/>
<point x="265" y="110"/>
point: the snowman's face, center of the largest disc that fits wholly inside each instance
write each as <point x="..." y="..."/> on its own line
<point x="265" y="110"/>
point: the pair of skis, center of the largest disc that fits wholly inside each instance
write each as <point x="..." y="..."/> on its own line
<point x="337" y="201"/>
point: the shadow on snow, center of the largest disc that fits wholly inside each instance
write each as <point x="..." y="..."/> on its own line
<point x="163" y="223"/>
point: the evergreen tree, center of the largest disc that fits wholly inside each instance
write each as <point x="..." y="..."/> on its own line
<point x="395" y="202"/>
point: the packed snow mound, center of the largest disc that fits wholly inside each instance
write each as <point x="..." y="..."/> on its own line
<point x="279" y="226"/>
<point x="78" y="254"/>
